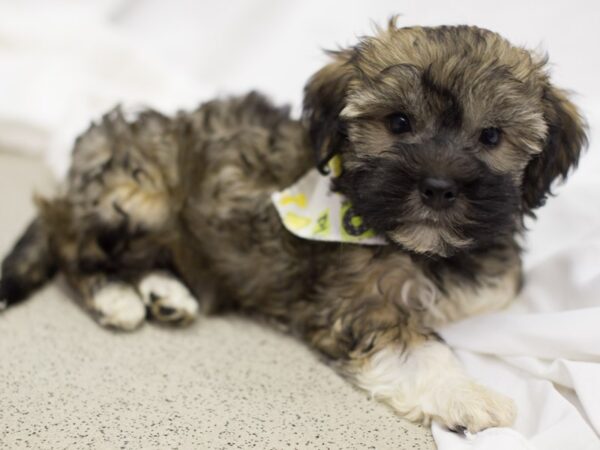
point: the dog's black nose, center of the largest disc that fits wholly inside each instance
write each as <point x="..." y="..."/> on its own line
<point x="438" y="193"/>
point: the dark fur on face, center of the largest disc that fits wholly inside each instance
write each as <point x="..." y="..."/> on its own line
<point x="447" y="137"/>
<point x="384" y="194"/>
<point x="451" y="83"/>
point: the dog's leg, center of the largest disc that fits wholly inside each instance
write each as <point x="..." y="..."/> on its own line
<point x="424" y="381"/>
<point x="167" y="299"/>
<point x="113" y="303"/>
<point x="118" y="305"/>
<point x="28" y="266"/>
<point x="369" y="318"/>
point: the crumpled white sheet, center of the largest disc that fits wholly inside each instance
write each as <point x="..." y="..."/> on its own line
<point x="543" y="352"/>
<point x="65" y="62"/>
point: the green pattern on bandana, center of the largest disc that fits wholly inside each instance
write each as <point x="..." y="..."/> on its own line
<point x="310" y="210"/>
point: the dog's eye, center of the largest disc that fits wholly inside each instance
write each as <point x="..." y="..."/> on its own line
<point x="398" y="123"/>
<point x="490" y="136"/>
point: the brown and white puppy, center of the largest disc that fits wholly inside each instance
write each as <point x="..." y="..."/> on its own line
<point x="448" y="136"/>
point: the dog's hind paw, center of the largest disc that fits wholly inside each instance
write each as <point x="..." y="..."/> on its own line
<point x="167" y="299"/>
<point x="118" y="305"/>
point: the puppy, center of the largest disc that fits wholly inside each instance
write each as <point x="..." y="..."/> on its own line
<point x="447" y="138"/>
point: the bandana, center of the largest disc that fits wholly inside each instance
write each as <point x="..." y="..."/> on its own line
<point x="310" y="210"/>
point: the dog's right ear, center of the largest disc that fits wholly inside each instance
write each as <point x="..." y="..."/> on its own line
<point x="324" y="99"/>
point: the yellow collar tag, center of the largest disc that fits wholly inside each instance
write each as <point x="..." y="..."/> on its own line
<point x="310" y="210"/>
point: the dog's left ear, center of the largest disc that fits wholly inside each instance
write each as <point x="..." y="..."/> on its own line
<point x="565" y="139"/>
<point x="324" y="98"/>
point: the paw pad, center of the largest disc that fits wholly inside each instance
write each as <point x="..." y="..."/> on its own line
<point x="168" y="300"/>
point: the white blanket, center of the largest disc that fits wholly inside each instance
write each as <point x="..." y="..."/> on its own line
<point x="63" y="63"/>
<point x="543" y="352"/>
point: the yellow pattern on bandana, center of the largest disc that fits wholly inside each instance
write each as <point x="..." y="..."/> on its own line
<point x="310" y="210"/>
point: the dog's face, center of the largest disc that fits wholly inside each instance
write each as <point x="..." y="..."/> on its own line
<point x="447" y="135"/>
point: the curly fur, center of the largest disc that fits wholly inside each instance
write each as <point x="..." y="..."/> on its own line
<point x="190" y="195"/>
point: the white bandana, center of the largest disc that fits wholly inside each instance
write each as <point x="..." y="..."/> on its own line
<point x="310" y="210"/>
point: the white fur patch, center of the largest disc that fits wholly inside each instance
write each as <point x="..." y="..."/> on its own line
<point x="161" y="290"/>
<point x="460" y="301"/>
<point x="420" y="294"/>
<point x="118" y="305"/>
<point x="426" y="382"/>
<point x="424" y="238"/>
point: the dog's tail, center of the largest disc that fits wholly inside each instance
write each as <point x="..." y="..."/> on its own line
<point x="28" y="266"/>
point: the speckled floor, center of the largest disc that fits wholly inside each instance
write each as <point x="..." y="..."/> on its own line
<point x="225" y="382"/>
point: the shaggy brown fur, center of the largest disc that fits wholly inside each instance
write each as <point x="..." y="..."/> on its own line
<point x="191" y="195"/>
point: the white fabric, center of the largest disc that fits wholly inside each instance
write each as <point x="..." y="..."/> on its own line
<point x="64" y="62"/>
<point x="543" y="351"/>
<point x="491" y="439"/>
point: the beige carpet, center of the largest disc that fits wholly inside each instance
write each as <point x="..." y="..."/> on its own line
<point x="225" y="382"/>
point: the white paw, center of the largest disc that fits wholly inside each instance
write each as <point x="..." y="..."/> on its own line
<point x="168" y="299"/>
<point x="426" y="383"/>
<point x="470" y="406"/>
<point x="119" y="306"/>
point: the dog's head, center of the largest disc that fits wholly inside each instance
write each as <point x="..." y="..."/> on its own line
<point x="447" y="136"/>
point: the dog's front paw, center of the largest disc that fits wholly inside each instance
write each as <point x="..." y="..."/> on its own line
<point x="426" y="382"/>
<point x="167" y="299"/>
<point x="467" y="405"/>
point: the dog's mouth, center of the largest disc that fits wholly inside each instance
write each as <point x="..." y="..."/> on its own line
<point x="424" y="230"/>
<point x="455" y="230"/>
<point x="429" y="237"/>
<point x="465" y="225"/>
